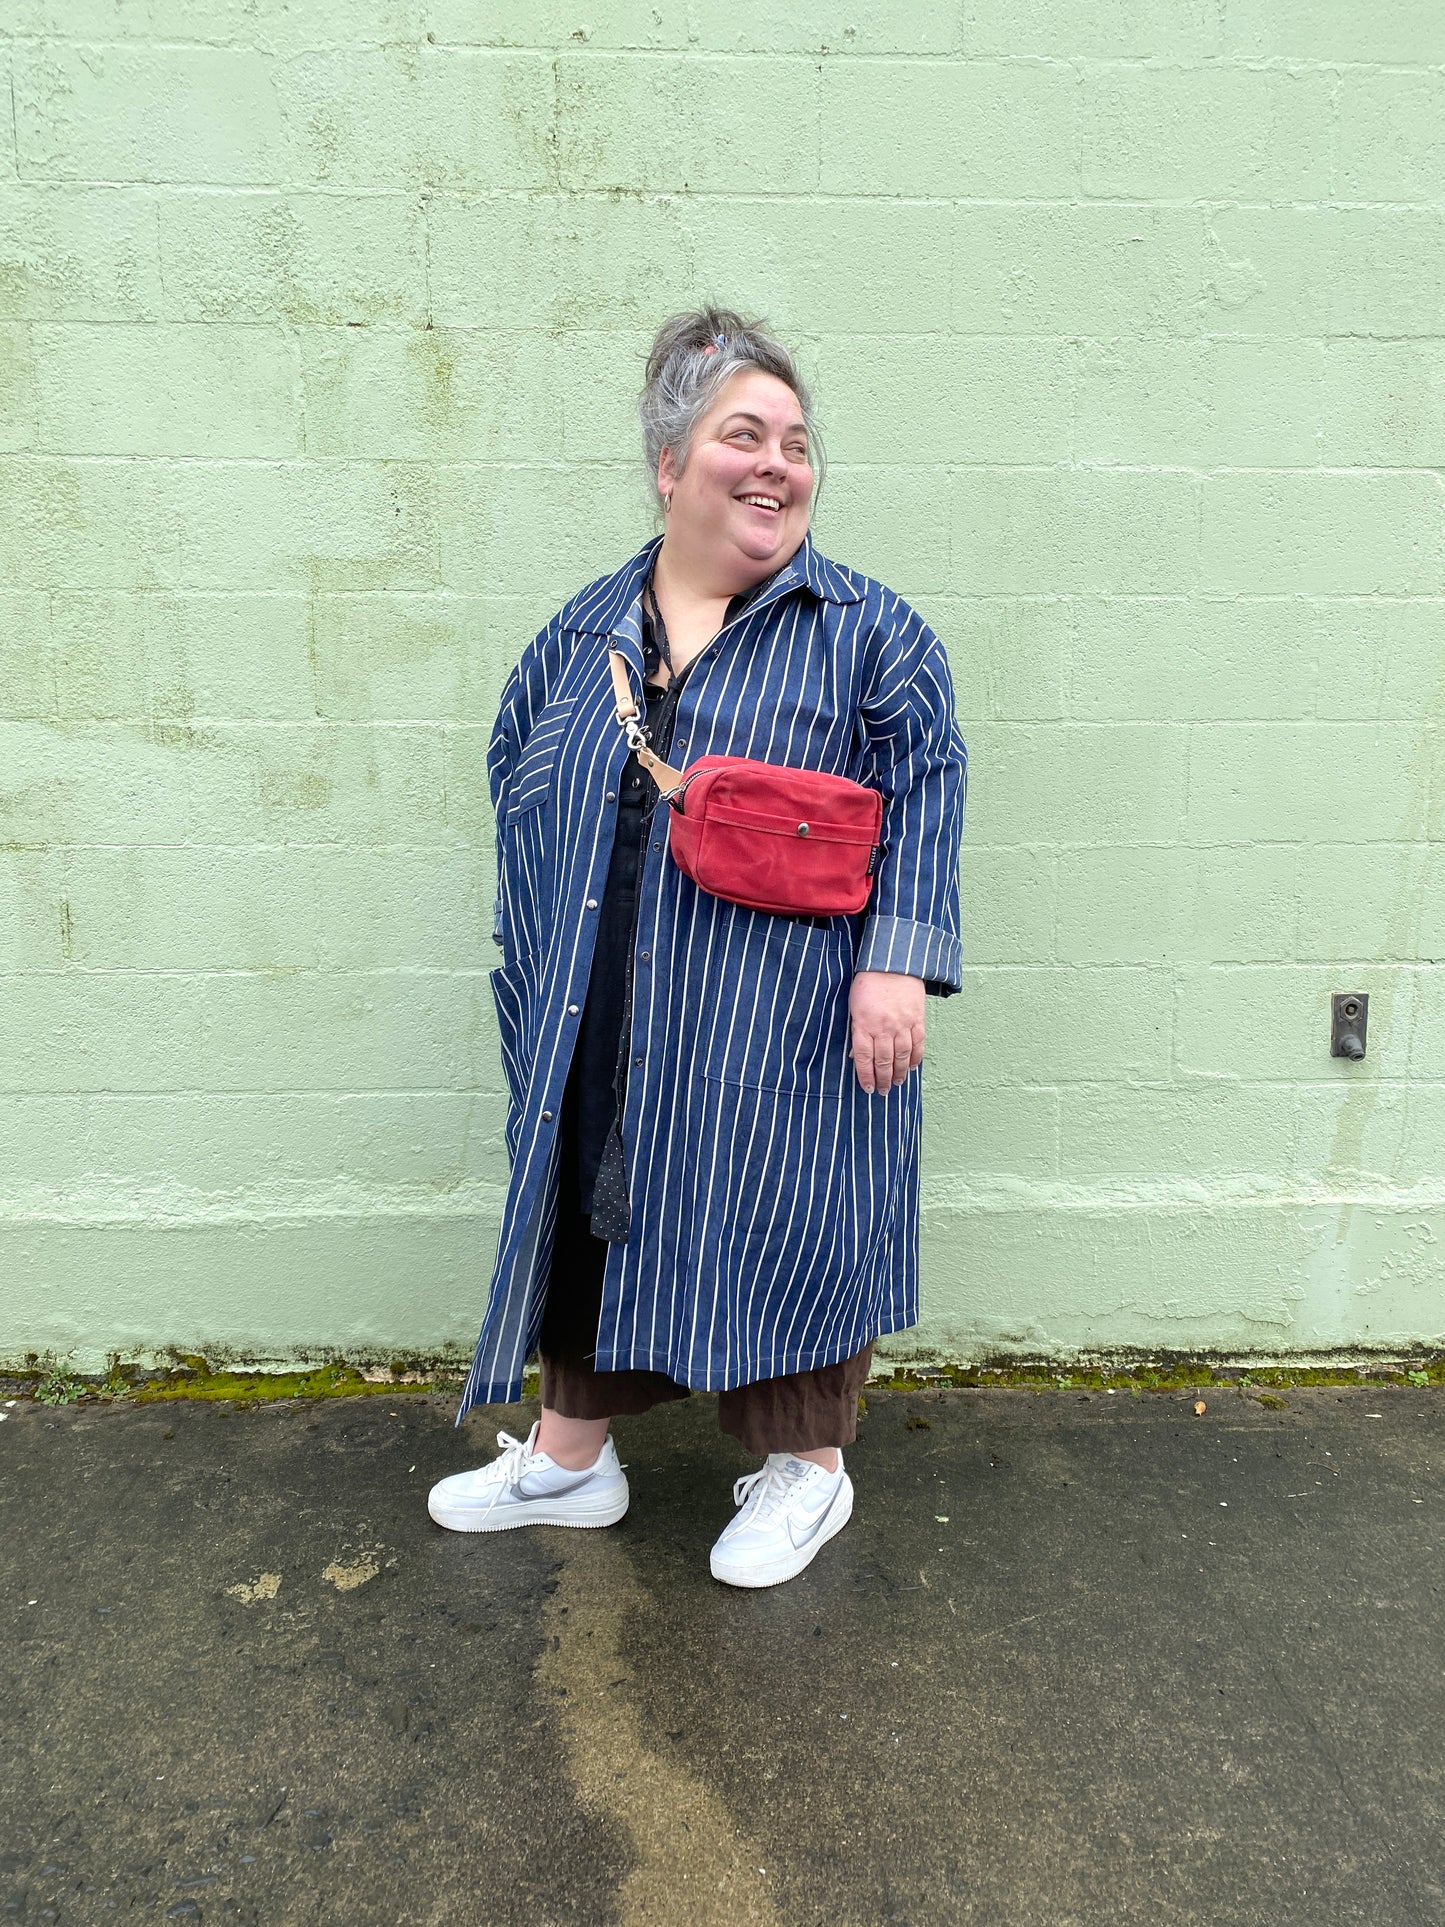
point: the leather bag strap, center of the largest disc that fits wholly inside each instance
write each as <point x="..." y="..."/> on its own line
<point x="663" y="774"/>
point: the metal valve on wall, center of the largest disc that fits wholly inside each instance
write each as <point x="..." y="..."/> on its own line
<point x="1349" y="1013"/>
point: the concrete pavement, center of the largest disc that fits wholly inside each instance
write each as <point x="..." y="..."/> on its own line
<point x="1078" y="1658"/>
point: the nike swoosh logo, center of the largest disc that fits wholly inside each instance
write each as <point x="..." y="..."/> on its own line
<point x="810" y="1530"/>
<point x="529" y="1488"/>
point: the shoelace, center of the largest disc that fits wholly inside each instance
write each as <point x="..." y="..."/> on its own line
<point x="510" y="1467"/>
<point x="769" y="1490"/>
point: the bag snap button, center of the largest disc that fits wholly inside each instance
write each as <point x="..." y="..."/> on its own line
<point x="802" y="829"/>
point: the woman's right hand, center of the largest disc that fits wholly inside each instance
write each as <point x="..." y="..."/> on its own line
<point x="885" y="1015"/>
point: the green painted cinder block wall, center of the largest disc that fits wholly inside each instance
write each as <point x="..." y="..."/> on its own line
<point x="320" y="327"/>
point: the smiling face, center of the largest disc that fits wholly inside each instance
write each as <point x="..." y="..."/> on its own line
<point x="740" y="506"/>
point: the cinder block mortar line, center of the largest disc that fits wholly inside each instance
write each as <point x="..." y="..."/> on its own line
<point x="300" y="392"/>
<point x="684" y="197"/>
<point x="1238" y="1191"/>
<point x="403" y="330"/>
<point x="160" y="248"/>
<point x="445" y="592"/>
<point x="178" y="729"/>
<point x="458" y="840"/>
<point x="1180" y="974"/>
<point x="261" y="848"/>
<point x="14" y="120"/>
<point x="1066" y="697"/>
<point x="229" y="973"/>
<point x="1243" y="63"/>
<point x="1336" y="156"/>
<point x="318" y="972"/>
<point x="1081" y="127"/>
<point x="227" y="40"/>
<point x="481" y="1201"/>
<point x="942" y="57"/>
<point x="784" y="56"/>
<point x="562" y="465"/>
<point x="1203" y="1082"/>
<point x="107" y="1096"/>
<point x="692" y="54"/>
<point x="956" y="56"/>
<point x="554" y="140"/>
<point x="409" y="328"/>
<point x="1193" y="1083"/>
<point x="1165" y="1196"/>
<point x="1038" y="967"/>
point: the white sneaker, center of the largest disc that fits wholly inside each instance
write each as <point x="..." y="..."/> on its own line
<point x="790" y="1510"/>
<point x="523" y="1487"/>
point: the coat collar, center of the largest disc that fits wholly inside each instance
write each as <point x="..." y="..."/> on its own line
<point x="612" y="606"/>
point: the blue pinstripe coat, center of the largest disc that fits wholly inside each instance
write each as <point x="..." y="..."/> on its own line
<point x="774" y="1202"/>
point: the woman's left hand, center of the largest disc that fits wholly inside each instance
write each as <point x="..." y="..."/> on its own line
<point x="885" y="1010"/>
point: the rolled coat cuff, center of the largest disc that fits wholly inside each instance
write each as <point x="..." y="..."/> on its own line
<point x="916" y="949"/>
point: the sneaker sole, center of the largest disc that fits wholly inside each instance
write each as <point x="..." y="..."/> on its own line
<point x="534" y="1512"/>
<point x="788" y="1567"/>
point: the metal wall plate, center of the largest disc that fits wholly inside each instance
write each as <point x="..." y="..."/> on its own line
<point x="1349" y="1014"/>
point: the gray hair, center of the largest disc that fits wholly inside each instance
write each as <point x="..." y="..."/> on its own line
<point x="692" y="356"/>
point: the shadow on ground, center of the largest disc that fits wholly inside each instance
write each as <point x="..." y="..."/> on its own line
<point x="1079" y="1658"/>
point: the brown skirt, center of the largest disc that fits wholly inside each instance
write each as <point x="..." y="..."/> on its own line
<point x="797" y="1412"/>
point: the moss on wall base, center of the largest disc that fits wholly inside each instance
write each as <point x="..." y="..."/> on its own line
<point x="190" y="1375"/>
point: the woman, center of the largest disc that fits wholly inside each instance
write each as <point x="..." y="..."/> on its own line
<point x="714" y="1115"/>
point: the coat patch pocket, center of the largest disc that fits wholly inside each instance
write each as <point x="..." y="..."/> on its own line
<point x="531" y="782"/>
<point x="781" y="1021"/>
<point x="510" y="998"/>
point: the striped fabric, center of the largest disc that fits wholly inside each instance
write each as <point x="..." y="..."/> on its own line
<point x="774" y="1203"/>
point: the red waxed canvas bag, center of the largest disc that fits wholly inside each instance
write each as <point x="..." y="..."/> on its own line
<point x="793" y="842"/>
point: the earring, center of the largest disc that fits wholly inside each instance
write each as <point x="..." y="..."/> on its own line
<point x="666" y="503"/>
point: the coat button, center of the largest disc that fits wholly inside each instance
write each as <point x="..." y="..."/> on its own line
<point x="637" y="1060"/>
<point x="546" y="1117"/>
<point x="646" y="956"/>
<point x="611" y="796"/>
<point x="571" y="1010"/>
<point x="657" y="846"/>
<point x="591" y="903"/>
<point x="682" y="742"/>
